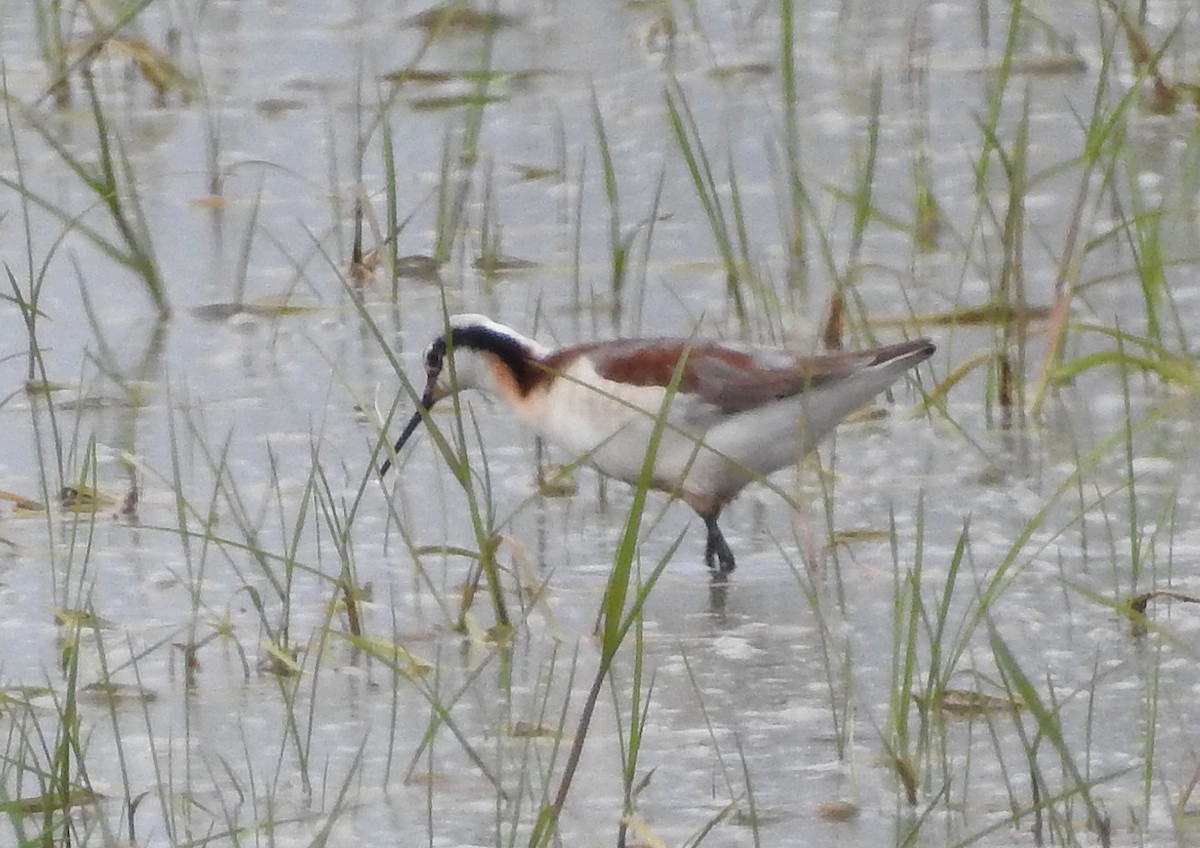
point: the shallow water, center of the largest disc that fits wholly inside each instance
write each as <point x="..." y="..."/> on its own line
<point x="249" y="437"/>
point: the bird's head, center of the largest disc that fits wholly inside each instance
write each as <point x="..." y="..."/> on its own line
<point x="474" y="352"/>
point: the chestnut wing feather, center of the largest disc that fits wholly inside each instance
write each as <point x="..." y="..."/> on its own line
<point x="732" y="379"/>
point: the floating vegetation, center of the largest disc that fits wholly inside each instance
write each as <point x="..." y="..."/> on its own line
<point x="838" y="811"/>
<point x="556" y="481"/>
<point x="870" y="412"/>
<point x="849" y="537"/>
<point x="735" y="71"/>
<point x="156" y="67"/>
<point x="658" y="36"/>
<point x="43" y="388"/>
<point x="99" y="403"/>
<point x="116" y="694"/>
<point x="51" y="802"/>
<point x="22" y="505"/>
<point x="534" y="173"/>
<point x="498" y="263"/>
<point x="459" y="18"/>
<point x="85" y="499"/>
<point x="1049" y="64"/>
<point x="256" y="309"/>
<point x="274" y="107"/>
<point x="453" y="101"/>
<point x="1136" y="606"/>
<point x="997" y="314"/>
<point x="424" y="77"/>
<point x="473" y="76"/>
<point x="73" y="619"/>
<point x="418" y="266"/>
<point x="533" y="730"/>
<point x="965" y="703"/>
<point x="395" y="656"/>
<point x="280" y="662"/>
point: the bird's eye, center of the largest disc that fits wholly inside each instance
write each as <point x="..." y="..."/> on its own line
<point x="433" y="360"/>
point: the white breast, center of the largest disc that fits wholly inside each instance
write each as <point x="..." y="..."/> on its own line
<point x="611" y="423"/>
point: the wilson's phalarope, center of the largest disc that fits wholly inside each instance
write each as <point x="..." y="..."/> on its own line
<point x="739" y="412"/>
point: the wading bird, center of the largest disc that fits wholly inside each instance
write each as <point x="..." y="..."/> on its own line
<point x="739" y="412"/>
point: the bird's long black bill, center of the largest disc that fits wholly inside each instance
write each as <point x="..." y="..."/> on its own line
<point x="409" y="428"/>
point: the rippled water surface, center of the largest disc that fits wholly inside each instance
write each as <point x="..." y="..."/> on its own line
<point x="231" y="633"/>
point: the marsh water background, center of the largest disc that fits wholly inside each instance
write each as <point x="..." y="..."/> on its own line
<point x="249" y="429"/>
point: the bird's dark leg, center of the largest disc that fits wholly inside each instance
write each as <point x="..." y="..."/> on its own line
<point x="717" y="555"/>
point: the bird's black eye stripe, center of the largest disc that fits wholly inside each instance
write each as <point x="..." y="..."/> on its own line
<point x="435" y="355"/>
<point x="487" y="340"/>
<point x="482" y="339"/>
